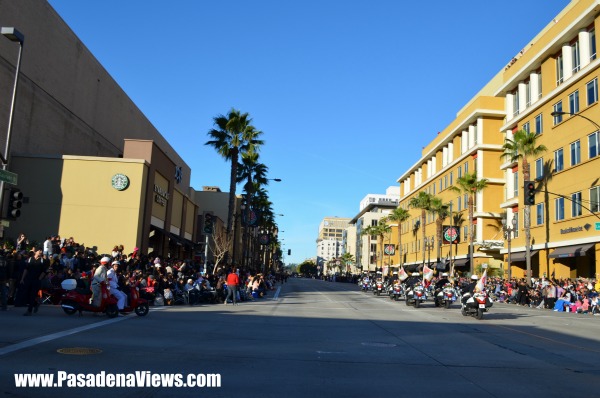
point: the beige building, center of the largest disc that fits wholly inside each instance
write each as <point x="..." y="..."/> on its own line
<point x="557" y="71"/>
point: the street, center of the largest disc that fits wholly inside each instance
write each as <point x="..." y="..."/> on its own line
<point x="315" y="339"/>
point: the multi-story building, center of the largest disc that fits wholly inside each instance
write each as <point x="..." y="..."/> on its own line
<point x="329" y="242"/>
<point x="551" y="88"/>
<point x="373" y="207"/>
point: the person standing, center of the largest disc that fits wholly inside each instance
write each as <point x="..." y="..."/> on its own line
<point x="35" y="270"/>
<point x="233" y="282"/>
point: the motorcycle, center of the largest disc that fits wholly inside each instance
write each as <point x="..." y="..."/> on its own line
<point x="79" y="300"/>
<point x="364" y="286"/>
<point x="378" y="289"/>
<point x="415" y="295"/>
<point x="475" y="305"/>
<point x="396" y="292"/>
<point x="445" y="296"/>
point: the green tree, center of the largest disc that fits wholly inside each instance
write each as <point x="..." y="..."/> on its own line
<point x="399" y="215"/>
<point x="380" y="231"/>
<point x="347" y="260"/>
<point x="307" y="268"/>
<point x="470" y="185"/>
<point x="441" y="211"/>
<point x="522" y="147"/>
<point x="233" y="135"/>
<point x="422" y="201"/>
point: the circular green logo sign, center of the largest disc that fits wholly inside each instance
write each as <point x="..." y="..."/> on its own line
<point x="120" y="182"/>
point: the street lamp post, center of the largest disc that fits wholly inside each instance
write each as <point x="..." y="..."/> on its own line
<point x="508" y="231"/>
<point x="429" y="245"/>
<point x="11" y="34"/>
<point x="555" y="113"/>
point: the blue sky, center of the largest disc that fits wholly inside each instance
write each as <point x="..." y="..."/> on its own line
<point x="347" y="92"/>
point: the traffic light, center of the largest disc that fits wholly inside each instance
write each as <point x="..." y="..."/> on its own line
<point x="15" y="201"/>
<point x="529" y="193"/>
<point x="289" y="252"/>
<point x="208" y="223"/>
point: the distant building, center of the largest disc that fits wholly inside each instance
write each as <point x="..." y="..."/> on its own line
<point x="329" y="242"/>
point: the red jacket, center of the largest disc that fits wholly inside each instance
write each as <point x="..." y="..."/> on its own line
<point x="233" y="279"/>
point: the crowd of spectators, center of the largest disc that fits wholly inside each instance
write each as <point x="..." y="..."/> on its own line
<point x="163" y="281"/>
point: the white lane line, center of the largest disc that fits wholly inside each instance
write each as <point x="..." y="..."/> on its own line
<point x="54" y="336"/>
<point x="58" y="335"/>
<point x="276" y="295"/>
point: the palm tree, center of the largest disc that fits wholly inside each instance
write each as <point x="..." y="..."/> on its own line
<point x="347" y="260"/>
<point x="441" y="211"/>
<point x="233" y="135"/>
<point x="422" y="201"/>
<point x="523" y="146"/>
<point x="399" y="215"/>
<point x="470" y="185"/>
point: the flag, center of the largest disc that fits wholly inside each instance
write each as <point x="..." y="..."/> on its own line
<point x="402" y="275"/>
<point x="427" y="273"/>
<point x="480" y="286"/>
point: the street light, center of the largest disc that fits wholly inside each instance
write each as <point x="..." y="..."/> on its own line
<point x="556" y="113"/>
<point x="274" y="179"/>
<point x="429" y="244"/>
<point x="11" y="34"/>
<point x="508" y="231"/>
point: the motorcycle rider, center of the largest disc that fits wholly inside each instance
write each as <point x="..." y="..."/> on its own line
<point x="99" y="277"/>
<point x="439" y="285"/>
<point x="113" y="283"/>
<point x="366" y="281"/>
<point x="412" y="280"/>
<point x="468" y="289"/>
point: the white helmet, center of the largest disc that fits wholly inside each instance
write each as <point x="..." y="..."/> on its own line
<point x="415" y="274"/>
<point x="105" y="260"/>
<point x="445" y="274"/>
<point x="474" y="277"/>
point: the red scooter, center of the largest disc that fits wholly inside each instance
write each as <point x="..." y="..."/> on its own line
<point x="78" y="300"/>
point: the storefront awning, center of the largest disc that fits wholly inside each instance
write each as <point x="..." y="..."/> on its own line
<point x="571" y="251"/>
<point x="520" y="256"/>
<point x="461" y="262"/>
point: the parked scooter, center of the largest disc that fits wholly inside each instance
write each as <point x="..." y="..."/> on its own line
<point x="475" y="305"/>
<point x="79" y="300"/>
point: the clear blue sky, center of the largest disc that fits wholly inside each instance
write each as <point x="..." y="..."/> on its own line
<point x="347" y="92"/>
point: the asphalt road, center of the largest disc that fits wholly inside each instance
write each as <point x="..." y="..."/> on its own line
<point x="316" y="339"/>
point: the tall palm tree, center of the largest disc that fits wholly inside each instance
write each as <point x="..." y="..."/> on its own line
<point x="399" y="215"/>
<point x="441" y="211"/>
<point x="422" y="201"/>
<point x="347" y="260"/>
<point x="470" y="185"/>
<point x="370" y="231"/>
<point x="233" y="135"/>
<point x="523" y="146"/>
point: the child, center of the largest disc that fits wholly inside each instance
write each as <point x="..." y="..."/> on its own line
<point x="585" y="305"/>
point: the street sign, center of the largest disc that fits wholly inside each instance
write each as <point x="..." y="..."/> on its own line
<point x="8" y="177"/>
<point x="5" y="223"/>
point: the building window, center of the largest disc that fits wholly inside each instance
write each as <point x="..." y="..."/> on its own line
<point x="575" y="153"/>
<point x="558" y="160"/>
<point x="526" y="127"/>
<point x="539" y="214"/>
<point x="445" y="181"/>
<point x="576" y="204"/>
<point x="466" y="167"/>
<point x="592" y="44"/>
<point x="558" y="108"/>
<point x="539" y="75"/>
<point x="441" y="185"/>
<point x="516" y="232"/>
<point x="574" y="102"/>
<point x="592" y="92"/>
<point x="466" y="201"/>
<point x="459" y="171"/>
<point x="559" y="69"/>
<point x="451" y="178"/>
<point x="516" y="102"/>
<point x="466" y="234"/>
<point x="527" y="94"/>
<point x="595" y="199"/>
<point x="433" y="186"/>
<point x="459" y="203"/>
<point x="515" y="184"/>
<point x="539" y="168"/>
<point x="575" y="56"/>
<point x="593" y="145"/>
<point x="539" y="127"/>
<point x="559" y="209"/>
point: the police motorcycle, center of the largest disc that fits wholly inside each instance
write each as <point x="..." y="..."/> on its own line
<point x="396" y="291"/>
<point x="415" y="293"/>
<point x="378" y="286"/>
<point x="365" y="284"/>
<point x="475" y="301"/>
<point x="444" y="294"/>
